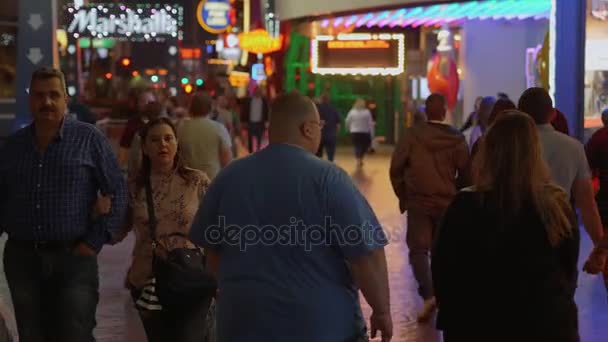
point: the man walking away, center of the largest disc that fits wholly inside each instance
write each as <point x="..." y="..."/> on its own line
<point x="255" y="111"/>
<point x="205" y="144"/>
<point x="425" y="168"/>
<point x="566" y="159"/>
<point x="331" y="125"/>
<point x="50" y="175"/>
<point x="292" y="249"/>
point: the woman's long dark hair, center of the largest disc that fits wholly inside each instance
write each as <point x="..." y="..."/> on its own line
<point x="146" y="168"/>
<point x="509" y="168"/>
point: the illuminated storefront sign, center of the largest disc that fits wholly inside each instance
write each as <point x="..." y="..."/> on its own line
<point x="359" y="44"/>
<point x="238" y="79"/>
<point x="227" y="47"/>
<point x="187" y="53"/>
<point x="257" y="72"/>
<point x="214" y="15"/>
<point x="359" y="54"/>
<point x="259" y="41"/>
<point x="119" y="21"/>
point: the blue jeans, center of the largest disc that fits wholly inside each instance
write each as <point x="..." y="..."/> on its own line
<point x="54" y="291"/>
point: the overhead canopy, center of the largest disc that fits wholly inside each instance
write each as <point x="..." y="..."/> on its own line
<point x="437" y="15"/>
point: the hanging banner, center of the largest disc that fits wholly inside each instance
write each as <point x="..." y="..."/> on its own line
<point x="214" y="16"/>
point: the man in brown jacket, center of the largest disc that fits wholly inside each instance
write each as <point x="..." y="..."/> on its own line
<point x="425" y="168"/>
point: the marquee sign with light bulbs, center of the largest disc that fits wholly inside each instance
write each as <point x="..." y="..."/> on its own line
<point x="154" y="22"/>
<point x="358" y="54"/>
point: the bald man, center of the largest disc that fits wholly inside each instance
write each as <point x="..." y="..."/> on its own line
<point x="291" y="241"/>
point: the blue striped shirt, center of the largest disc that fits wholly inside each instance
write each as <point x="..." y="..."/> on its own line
<point x="50" y="196"/>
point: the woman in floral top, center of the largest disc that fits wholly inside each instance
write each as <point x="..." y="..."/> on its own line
<point x="176" y="191"/>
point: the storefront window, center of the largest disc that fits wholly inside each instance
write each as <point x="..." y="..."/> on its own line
<point x="596" y="63"/>
<point x="8" y="60"/>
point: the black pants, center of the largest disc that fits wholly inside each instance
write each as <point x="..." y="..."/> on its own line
<point x="187" y="324"/>
<point x="255" y="129"/>
<point x="361" y="141"/>
<point x="329" y="145"/>
<point x="54" y="292"/>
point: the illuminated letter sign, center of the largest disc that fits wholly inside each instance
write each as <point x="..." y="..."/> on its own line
<point x="259" y="41"/>
<point x="119" y="21"/>
<point x="257" y="72"/>
<point x="358" y="44"/>
<point x="214" y="15"/>
<point x="359" y="54"/>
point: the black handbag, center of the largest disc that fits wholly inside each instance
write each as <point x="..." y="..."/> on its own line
<point x="181" y="279"/>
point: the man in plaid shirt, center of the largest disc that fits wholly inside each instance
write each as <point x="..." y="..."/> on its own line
<point x="51" y="173"/>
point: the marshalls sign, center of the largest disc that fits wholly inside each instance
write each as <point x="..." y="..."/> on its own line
<point x="119" y="21"/>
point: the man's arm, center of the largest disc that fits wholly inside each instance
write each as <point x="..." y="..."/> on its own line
<point x="225" y="155"/>
<point x="349" y="210"/>
<point x="111" y="184"/>
<point x="582" y="191"/>
<point x="584" y="197"/>
<point x="463" y="165"/>
<point x="208" y="227"/>
<point x="225" y="152"/>
<point x="399" y="161"/>
<point x="371" y="276"/>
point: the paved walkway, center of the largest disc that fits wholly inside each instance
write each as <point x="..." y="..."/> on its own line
<point x="117" y="320"/>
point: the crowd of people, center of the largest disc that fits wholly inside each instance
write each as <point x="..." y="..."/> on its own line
<point x="287" y="239"/>
<point x="492" y="228"/>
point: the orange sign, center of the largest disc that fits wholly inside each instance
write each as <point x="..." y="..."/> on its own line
<point x="259" y="41"/>
<point x="239" y="79"/>
<point x="358" y="44"/>
<point x="190" y="53"/>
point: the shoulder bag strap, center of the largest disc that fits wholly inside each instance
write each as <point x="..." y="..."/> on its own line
<point x="151" y="215"/>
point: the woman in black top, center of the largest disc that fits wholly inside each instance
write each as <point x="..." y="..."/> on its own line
<point x="504" y="263"/>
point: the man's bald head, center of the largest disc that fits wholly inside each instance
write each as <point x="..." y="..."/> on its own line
<point x="289" y="111"/>
<point x="294" y="119"/>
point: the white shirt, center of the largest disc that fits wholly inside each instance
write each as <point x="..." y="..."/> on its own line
<point x="255" y="114"/>
<point x="359" y="121"/>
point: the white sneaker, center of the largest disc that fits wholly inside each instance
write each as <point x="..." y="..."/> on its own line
<point x="430" y="305"/>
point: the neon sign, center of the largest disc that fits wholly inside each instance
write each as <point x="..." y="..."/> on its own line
<point x="358" y="54"/>
<point x="215" y="16"/>
<point x="259" y="41"/>
<point x="120" y="21"/>
<point x="363" y="44"/>
<point x="257" y="72"/>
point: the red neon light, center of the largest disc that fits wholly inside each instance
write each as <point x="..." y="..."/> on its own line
<point x="361" y="44"/>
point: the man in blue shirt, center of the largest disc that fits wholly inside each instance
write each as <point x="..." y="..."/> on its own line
<point x="329" y="115"/>
<point x="50" y="175"/>
<point x="292" y="248"/>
